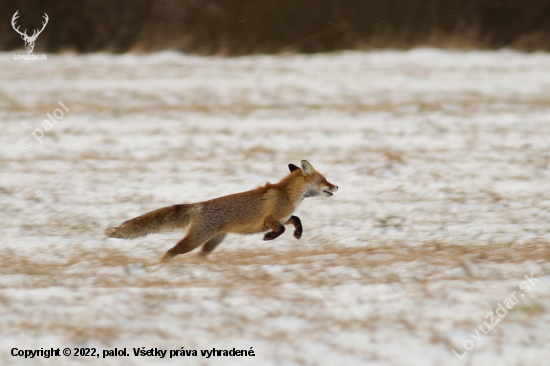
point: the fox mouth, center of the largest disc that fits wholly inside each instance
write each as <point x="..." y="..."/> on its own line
<point x="328" y="192"/>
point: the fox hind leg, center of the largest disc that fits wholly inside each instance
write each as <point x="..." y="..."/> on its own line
<point x="295" y="220"/>
<point x="211" y="244"/>
<point x="187" y="244"/>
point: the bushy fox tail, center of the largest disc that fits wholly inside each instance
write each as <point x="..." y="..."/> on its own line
<point x="167" y="218"/>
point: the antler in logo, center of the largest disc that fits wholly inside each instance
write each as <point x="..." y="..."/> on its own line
<point x="29" y="41"/>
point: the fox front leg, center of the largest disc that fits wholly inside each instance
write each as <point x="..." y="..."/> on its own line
<point x="295" y="220"/>
<point x="276" y="227"/>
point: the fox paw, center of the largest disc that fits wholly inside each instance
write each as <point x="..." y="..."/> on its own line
<point x="298" y="234"/>
<point x="167" y="257"/>
<point x="270" y="235"/>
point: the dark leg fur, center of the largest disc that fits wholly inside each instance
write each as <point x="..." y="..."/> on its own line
<point x="295" y="220"/>
<point x="211" y="244"/>
<point x="276" y="227"/>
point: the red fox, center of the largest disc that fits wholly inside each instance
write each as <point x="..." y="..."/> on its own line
<point x="255" y="211"/>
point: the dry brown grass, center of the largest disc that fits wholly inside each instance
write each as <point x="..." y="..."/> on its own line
<point x="241" y="105"/>
<point x="110" y="267"/>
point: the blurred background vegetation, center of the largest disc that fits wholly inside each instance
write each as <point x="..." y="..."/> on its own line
<point x="235" y="27"/>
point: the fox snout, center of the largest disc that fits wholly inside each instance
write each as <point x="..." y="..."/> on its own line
<point x="329" y="190"/>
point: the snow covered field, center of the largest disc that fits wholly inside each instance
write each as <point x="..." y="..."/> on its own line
<point x="442" y="159"/>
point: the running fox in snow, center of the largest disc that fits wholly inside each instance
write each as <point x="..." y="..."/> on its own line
<point x="255" y="211"/>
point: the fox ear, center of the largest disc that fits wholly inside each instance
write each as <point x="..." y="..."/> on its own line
<point x="292" y="167"/>
<point x="307" y="168"/>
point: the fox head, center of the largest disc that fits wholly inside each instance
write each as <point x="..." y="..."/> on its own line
<point x="315" y="183"/>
